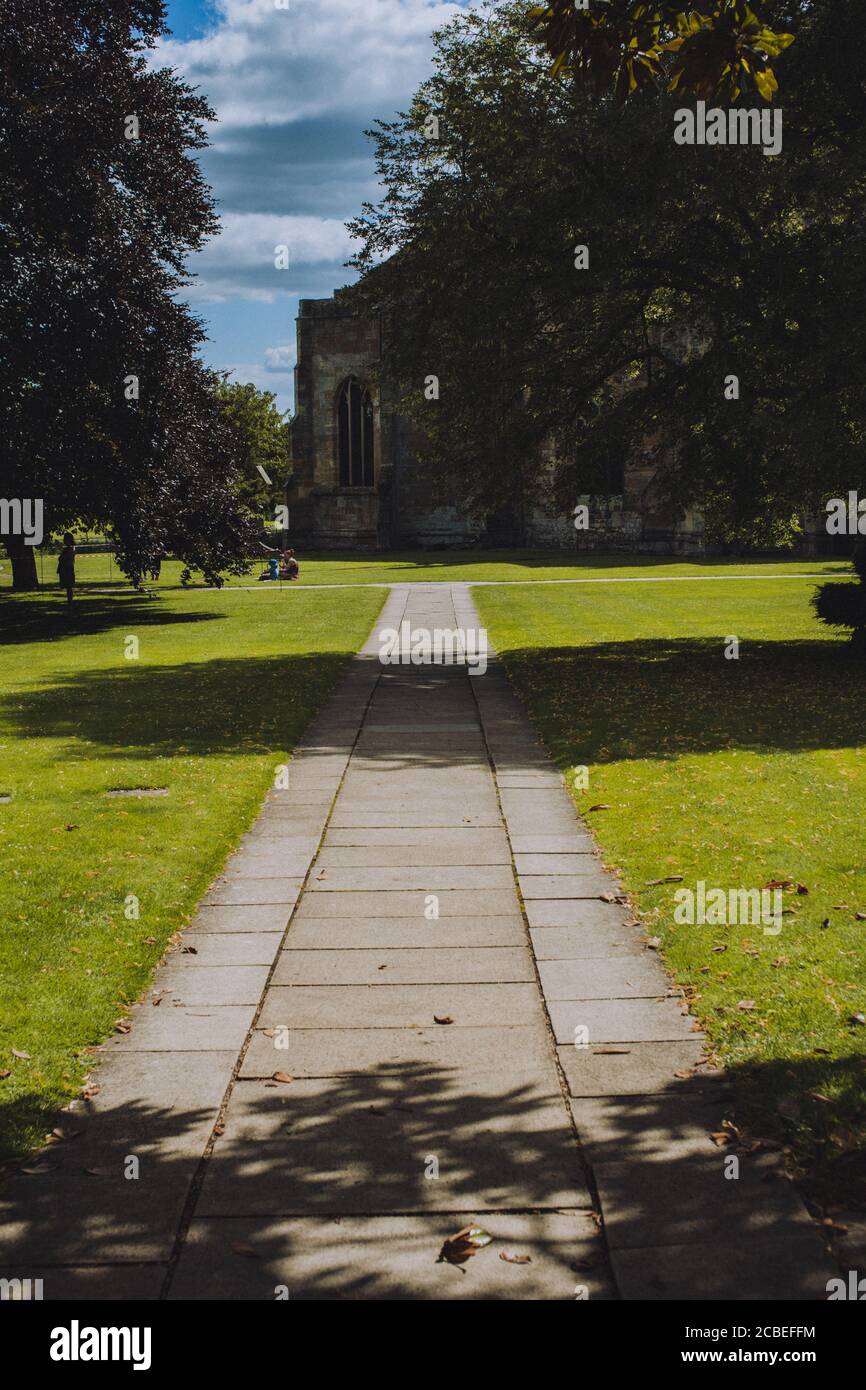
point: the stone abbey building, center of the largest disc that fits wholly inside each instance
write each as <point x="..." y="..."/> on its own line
<point x="356" y="482"/>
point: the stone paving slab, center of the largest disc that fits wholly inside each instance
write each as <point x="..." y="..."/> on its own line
<point x="628" y="977"/>
<point x="629" y="1069"/>
<point x="579" y="943"/>
<point x="253" y="892"/>
<point x="547" y="864"/>
<point x="203" y="1028"/>
<point x="234" y="948"/>
<point x="182" y="983"/>
<point x="588" y="913"/>
<point x="433" y="818"/>
<point x="397" y="856"/>
<point x="461" y="837"/>
<point x="576" y="842"/>
<point x="430" y="879"/>
<point x="400" y="1006"/>
<point x="620" y="1020"/>
<point x="336" y="933"/>
<point x="765" y="1269"/>
<point x="547" y="887"/>
<point x="326" y="1147"/>
<point x="465" y="965"/>
<point x="262" y="917"/>
<point x="352" y="1051"/>
<point x="453" y="902"/>
<point x="391" y="1258"/>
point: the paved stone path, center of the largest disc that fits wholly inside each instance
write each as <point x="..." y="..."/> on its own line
<point x="447" y="935"/>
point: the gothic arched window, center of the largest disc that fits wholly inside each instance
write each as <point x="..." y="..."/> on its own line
<point x="355" y="435"/>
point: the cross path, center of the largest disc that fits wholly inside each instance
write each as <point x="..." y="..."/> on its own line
<point x="419" y="933"/>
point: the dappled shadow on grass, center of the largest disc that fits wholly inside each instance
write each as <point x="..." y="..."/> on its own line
<point x="667" y="697"/>
<point x="43" y="619"/>
<point x="228" y="705"/>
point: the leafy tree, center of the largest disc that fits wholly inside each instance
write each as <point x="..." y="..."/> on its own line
<point x="106" y="413"/>
<point x="716" y="49"/>
<point x="265" y="435"/>
<point x="844" y="605"/>
<point x="704" y="264"/>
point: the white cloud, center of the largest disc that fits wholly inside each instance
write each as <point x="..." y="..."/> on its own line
<point x="280" y="359"/>
<point x="264" y="65"/>
<point x="242" y="259"/>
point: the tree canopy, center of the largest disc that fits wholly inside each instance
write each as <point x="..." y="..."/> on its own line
<point x="106" y="412"/>
<point x="701" y="264"/>
<point x="718" y="49"/>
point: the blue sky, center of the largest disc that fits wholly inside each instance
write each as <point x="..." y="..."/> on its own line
<point x="294" y="84"/>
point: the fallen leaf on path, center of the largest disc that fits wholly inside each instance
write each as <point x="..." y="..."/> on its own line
<point x="282" y="1076"/>
<point x="510" y="1259"/>
<point x="653" y="943"/>
<point x="98" y="1172"/>
<point x="247" y="1251"/>
<point x="189" y="950"/>
<point x="457" y="1249"/>
<point x="446" y="1018"/>
<point x="609" y="1051"/>
<point x="121" y="1026"/>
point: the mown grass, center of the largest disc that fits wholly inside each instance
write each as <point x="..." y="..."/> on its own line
<point x="737" y="772"/>
<point x="222" y="687"/>
<point x="395" y="567"/>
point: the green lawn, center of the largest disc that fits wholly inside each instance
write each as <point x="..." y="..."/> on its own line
<point x="221" y="690"/>
<point x="737" y="772"/>
<point x="394" y="567"/>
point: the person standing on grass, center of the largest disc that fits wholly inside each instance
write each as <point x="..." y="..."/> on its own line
<point x="66" y="565"/>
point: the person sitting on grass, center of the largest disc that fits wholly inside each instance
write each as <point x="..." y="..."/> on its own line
<point x="272" y="571"/>
<point x="289" y="569"/>
<point x="66" y="565"/>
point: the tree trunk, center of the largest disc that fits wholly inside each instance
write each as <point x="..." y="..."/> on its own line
<point x="23" y="557"/>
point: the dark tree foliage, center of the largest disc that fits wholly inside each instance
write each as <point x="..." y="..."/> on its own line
<point x="718" y="49"/>
<point x="704" y="263"/>
<point x="844" y="605"/>
<point x="94" y="229"/>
